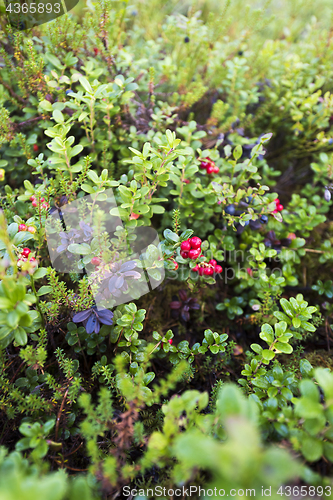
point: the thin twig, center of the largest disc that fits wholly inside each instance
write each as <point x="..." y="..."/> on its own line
<point x="59" y="415"/>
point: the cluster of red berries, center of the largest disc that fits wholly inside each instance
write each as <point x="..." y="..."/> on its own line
<point x="43" y="203"/>
<point x="191" y="248"/>
<point x="210" y="166"/>
<point x="278" y="206"/>
<point x="23" y="227"/>
<point x="25" y="256"/>
<point x="208" y="268"/>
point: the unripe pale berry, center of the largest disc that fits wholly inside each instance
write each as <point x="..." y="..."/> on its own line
<point x="95" y="261"/>
<point x="31" y="229"/>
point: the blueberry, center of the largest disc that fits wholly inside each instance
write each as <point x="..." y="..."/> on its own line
<point x="263" y="219"/>
<point x="230" y="209"/>
<point x="249" y="199"/>
<point x="70" y="91"/>
<point x="246" y="223"/>
<point x="330" y="141"/>
<point x="240" y="52"/>
<point x="186" y="39"/>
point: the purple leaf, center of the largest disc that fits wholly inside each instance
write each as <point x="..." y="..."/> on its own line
<point x="128" y="266"/>
<point x="81" y="316"/>
<point x="175" y="305"/>
<point x="92" y="324"/>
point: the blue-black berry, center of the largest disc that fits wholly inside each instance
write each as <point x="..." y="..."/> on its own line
<point x="230" y="209"/>
<point x="186" y="39"/>
<point x="263" y="219"/>
<point x="249" y="199"/>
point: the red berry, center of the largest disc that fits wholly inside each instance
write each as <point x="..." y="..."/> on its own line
<point x="45" y="205"/>
<point x="96" y="51"/>
<point x="196" y="268"/>
<point x="279" y="208"/>
<point x="194" y="253"/>
<point x="174" y="263"/>
<point x="42" y="199"/>
<point x="170" y="341"/>
<point x="95" y="261"/>
<point x="204" y="164"/>
<point x="34" y="203"/>
<point x="184" y="254"/>
<point x="195" y="242"/>
<point x="212" y="262"/>
<point x="208" y="271"/>
<point x="216" y="170"/>
<point x="201" y="271"/>
<point x="218" y="269"/>
<point x="26" y="252"/>
<point x="32" y="198"/>
<point x="185" y="245"/>
<point x="187" y="181"/>
<point x="22" y="227"/>
<point x="277" y="200"/>
<point x="32" y="259"/>
<point x="31" y="229"/>
<point x="210" y="169"/>
<point x="35" y="146"/>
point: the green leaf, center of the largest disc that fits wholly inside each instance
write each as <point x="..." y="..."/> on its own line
<point x="170" y="236"/>
<point x="20" y="336"/>
<point x="214" y="349"/>
<point x="85" y="84"/>
<point x="44" y="290"/>
<point x="267" y="333"/>
<point x="267" y="354"/>
<point x="312" y="448"/>
<point x="285" y="348"/>
<point x="40" y="273"/>
<point x="296" y="322"/>
<point x="287" y="307"/>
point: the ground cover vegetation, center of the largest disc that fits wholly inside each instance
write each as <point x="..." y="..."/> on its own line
<point x="212" y="123"/>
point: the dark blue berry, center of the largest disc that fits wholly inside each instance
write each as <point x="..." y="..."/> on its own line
<point x="330" y="141"/>
<point x="249" y="199"/>
<point x="240" y="52"/>
<point x="263" y="219"/>
<point x="70" y="91"/>
<point x="246" y="223"/>
<point x="230" y="209"/>
<point x="186" y="39"/>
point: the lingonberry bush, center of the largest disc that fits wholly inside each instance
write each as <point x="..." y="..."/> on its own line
<point x="216" y="130"/>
